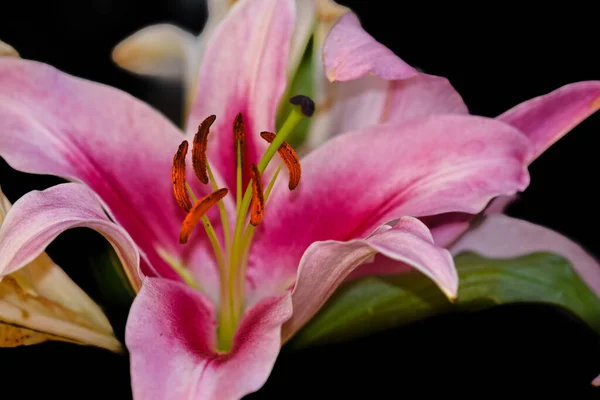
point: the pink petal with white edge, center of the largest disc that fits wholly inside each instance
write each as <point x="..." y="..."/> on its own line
<point x="171" y="336"/>
<point x="358" y="181"/>
<point x="38" y="217"/>
<point x="371" y="89"/>
<point x="325" y="265"/>
<point x="244" y="69"/>
<point x="545" y="119"/>
<point x="53" y="123"/>
<point x="445" y="228"/>
<point x="500" y="236"/>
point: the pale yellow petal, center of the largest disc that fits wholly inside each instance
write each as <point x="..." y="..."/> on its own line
<point x="7" y="51"/>
<point x="51" y="320"/>
<point x="13" y="336"/>
<point x="4" y="206"/>
<point x="330" y="11"/>
<point x="44" y="278"/>
<point x="158" y="50"/>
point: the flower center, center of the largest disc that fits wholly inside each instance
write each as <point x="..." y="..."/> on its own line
<point x="232" y="259"/>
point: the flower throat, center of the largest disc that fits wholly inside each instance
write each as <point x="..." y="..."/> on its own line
<point x="231" y="254"/>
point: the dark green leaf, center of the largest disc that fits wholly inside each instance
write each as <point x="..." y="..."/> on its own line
<point x="373" y="304"/>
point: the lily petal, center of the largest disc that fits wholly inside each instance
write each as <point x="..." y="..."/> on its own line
<point x="27" y="318"/>
<point x="44" y="278"/>
<point x="243" y="70"/>
<point x="545" y="119"/>
<point x="173" y="346"/>
<point x="161" y="50"/>
<point x="373" y="85"/>
<point x="351" y="53"/>
<point x="167" y="51"/>
<point x="360" y="180"/>
<point x="39" y="302"/>
<point x="501" y="236"/>
<point x="325" y="265"/>
<point x="39" y="217"/>
<point x="7" y="50"/>
<point x="53" y="123"/>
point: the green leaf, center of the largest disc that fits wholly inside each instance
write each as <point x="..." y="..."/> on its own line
<point x="302" y="83"/>
<point x="374" y="304"/>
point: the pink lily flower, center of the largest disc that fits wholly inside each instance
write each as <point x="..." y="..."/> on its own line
<point x="214" y="308"/>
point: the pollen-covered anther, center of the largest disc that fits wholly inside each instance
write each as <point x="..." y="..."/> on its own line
<point x="197" y="212"/>
<point x="258" y="201"/>
<point x="199" y="150"/>
<point x="178" y="177"/>
<point x="289" y="157"/>
<point x="239" y="134"/>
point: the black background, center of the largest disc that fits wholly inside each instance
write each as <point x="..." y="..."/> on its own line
<point x="496" y="56"/>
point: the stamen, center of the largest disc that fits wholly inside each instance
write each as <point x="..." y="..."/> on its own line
<point x="239" y="141"/>
<point x="307" y="105"/>
<point x="258" y="201"/>
<point x="178" y="177"/>
<point x="199" y="149"/>
<point x="239" y="132"/>
<point x="196" y="213"/>
<point x="289" y="157"/>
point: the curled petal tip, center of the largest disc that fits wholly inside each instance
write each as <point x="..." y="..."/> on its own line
<point x="307" y="105"/>
<point x="596" y="381"/>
